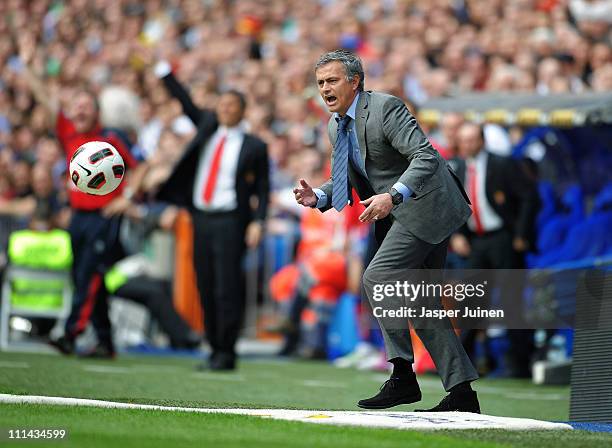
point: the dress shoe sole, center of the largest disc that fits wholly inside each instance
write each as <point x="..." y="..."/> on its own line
<point x="403" y="400"/>
<point x="96" y="356"/>
<point x="222" y="368"/>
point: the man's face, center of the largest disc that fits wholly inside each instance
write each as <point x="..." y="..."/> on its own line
<point x="229" y="110"/>
<point x="42" y="181"/>
<point x="336" y="91"/>
<point x="84" y="112"/>
<point x="469" y="140"/>
<point x="450" y="125"/>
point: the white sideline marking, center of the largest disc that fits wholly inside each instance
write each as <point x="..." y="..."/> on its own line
<point x="106" y="369"/>
<point x="378" y="419"/>
<point x="155" y="367"/>
<point x="317" y="383"/>
<point x="218" y="376"/>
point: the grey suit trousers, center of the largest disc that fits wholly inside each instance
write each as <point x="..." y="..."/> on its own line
<point x="402" y="250"/>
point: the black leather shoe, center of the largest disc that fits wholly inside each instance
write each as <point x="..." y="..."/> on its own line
<point x="99" y="351"/>
<point x="466" y="401"/>
<point x="191" y="342"/>
<point x="393" y="392"/>
<point x="223" y="362"/>
<point x="63" y="344"/>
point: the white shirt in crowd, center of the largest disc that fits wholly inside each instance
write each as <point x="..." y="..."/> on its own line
<point x="224" y="194"/>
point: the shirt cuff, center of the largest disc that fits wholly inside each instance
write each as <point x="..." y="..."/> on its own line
<point x="321" y="197"/>
<point x="403" y="189"/>
<point x="162" y="69"/>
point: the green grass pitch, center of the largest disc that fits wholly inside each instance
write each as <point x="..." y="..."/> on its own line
<point x="262" y="384"/>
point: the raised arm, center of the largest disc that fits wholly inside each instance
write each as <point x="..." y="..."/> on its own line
<point x="27" y="46"/>
<point x="164" y="72"/>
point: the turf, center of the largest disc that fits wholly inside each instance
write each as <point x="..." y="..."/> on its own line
<point x="299" y="385"/>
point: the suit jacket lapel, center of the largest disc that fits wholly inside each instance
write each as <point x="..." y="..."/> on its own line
<point x="361" y="116"/>
<point x="242" y="157"/>
<point x="490" y="178"/>
<point x="333" y="132"/>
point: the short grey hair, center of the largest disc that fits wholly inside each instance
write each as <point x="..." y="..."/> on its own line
<point x="351" y="62"/>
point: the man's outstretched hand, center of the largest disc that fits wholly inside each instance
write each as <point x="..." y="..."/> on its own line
<point x="304" y="194"/>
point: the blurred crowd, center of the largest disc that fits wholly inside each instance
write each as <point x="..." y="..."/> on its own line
<point x="416" y="50"/>
<point x="266" y="49"/>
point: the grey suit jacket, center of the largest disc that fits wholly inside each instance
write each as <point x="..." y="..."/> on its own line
<point x="395" y="149"/>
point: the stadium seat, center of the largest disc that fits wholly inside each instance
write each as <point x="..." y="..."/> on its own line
<point x="36" y="286"/>
<point x="549" y="204"/>
<point x="552" y="234"/>
<point x="590" y="238"/>
<point x="603" y="201"/>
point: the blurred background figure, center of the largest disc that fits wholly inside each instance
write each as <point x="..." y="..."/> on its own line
<point x="500" y="231"/>
<point x="134" y="277"/>
<point x="223" y="171"/>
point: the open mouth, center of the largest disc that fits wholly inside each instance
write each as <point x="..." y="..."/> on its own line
<point x="330" y="100"/>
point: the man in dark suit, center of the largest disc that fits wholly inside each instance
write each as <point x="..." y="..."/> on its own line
<point x="501" y="229"/>
<point x="412" y="195"/>
<point x="222" y="171"/>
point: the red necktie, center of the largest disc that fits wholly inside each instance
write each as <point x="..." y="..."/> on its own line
<point x="211" y="182"/>
<point x="473" y="185"/>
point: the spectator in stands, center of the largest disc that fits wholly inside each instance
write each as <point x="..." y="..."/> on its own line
<point x="602" y="78"/>
<point x="43" y="194"/>
<point x="446" y="141"/>
<point x="21" y="178"/>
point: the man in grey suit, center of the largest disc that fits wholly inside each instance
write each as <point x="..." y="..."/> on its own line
<point x="415" y="202"/>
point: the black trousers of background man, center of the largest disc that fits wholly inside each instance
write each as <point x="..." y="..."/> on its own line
<point x="95" y="247"/>
<point x="494" y="250"/>
<point x="156" y="295"/>
<point x="219" y="247"/>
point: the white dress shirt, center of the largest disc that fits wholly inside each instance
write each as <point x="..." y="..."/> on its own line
<point x="489" y="219"/>
<point x="224" y="194"/>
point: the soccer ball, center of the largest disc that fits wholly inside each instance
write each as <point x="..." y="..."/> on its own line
<point x="97" y="168"/>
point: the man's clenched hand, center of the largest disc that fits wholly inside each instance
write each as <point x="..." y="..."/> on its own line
<point x="378" y="207"/>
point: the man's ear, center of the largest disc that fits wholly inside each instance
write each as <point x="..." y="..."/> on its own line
<point x="356" y="82"/>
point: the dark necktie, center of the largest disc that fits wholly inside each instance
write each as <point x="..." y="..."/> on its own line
<point x="340" y="169"/>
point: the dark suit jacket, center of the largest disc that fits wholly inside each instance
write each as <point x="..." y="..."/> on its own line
<point x="510" y="192"/>
<point x="252" y="174"/>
